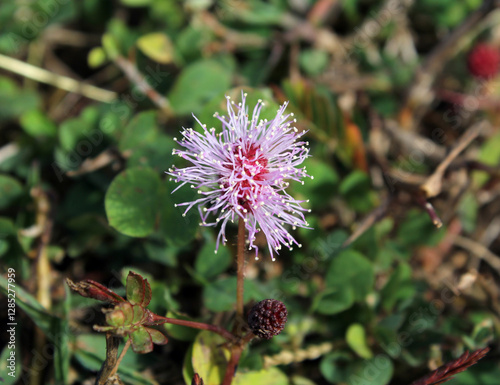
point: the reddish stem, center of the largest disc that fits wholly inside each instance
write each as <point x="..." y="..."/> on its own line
<point x="232" y="364"/>
<point x="237" y="349"/>
<point x="240" y="276"/>
<point x="197" y="325"/>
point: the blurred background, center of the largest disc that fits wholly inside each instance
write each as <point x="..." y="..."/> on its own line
<point x="400" y="101"/>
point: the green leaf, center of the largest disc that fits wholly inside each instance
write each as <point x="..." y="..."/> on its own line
<point x="260" y="13"/>
<point x="157" y="46"/>
<point x="136" y="3"/>
<point x="376" y="371"/>
<point x="10" y="190"/>
<point x="97" y="57"/>
<point x="489" y="155"/>
<point x="142" y="129"/>
<point x="138" y="290"/>
<point x="313" y="61"/>
<point x="131" y="202"/>
<point x="159" y="251"/>
<point x="74" y="131"/>
<point x="116" y="318"/>
<point x="210" y="264"/>
<point x="187" y="365"/>
<point x="14" y="101"/>
<point x="334" y="300"/>
<point x="220" y="295"/>
<point x="156" y="153"/>
<point x="31" y="307"/>
<point x="157" y="336"/>
<point x="141" y="341"/>
<point x="418" y="229"/>
<point x="272" y="376"/>
<point x="16" y="369"/>
<point x="110" y="45"/>
<point x="61" y="342"/>
<point x="218" y="103"/>
<point x="356" y="189"/>
<point x="333" y="368"/>
<point x="398" y="288"/>
<point x="197" y="84"/>
<point x="178" y="229"/>
<point x="7" y="227"/>
<point x="299" y="380"/>
<point x="37" y="124"/>
<point x="356" y="339"/>
<point x="468" y="211"/>
<point x="55" y="328"/>
<point x="317" y="108"/>
<point x="351" y="269"/>
<point x="320" y="190"/>
<point x="210" y="357"/>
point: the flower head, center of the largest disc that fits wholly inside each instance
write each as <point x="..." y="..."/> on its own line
<point x="243" y="171"/>
<point x="484" y="61"/>
<point x="267" y="318"/>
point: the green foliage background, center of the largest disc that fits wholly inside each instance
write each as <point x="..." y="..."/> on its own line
<point x="83" y="192"/>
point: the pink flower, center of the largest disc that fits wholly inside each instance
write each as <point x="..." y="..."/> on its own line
<point x="243" y="171"/>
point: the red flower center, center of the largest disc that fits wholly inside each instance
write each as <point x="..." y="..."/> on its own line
<point x="248" y="168"/>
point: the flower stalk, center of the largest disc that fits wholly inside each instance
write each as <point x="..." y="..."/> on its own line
<point x="240" y="275"/>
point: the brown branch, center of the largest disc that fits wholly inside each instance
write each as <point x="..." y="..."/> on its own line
<point x="420" y="94"/>
<point x="106" y="375"/>
<point x="138" y="79"/>
<point x="376" y="215"/>
<point x="446" y="372"/>
<point x="433" y="185"/>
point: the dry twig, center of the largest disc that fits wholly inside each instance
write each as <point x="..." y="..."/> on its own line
<point x="137" y="78"/>
<point x="433" y="186"/>
<point x="43" y="76"/>
<point x="420" y="94"/>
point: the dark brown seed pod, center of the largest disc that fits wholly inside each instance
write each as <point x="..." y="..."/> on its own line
<point x="267" y="318"/>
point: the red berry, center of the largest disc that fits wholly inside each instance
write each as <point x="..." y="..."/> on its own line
<point x="267" y="318"/>
<point x="484" y="61"/>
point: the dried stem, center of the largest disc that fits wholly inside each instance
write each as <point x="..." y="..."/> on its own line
<point x="63" y="82"/>
<point x="111" y="361"/>
<point x="376" y="215"/>
<point x="433" y="184"/>
<point x="122" y="354"/>
<point x="44" y="226"/>
<point x="446" y="372"/>
<point x="137" y="78"/>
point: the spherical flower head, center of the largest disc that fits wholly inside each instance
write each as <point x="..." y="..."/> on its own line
<point x="484" y="61"/>
<point x="243" y="172"/>
<point x="267" y="318"/>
